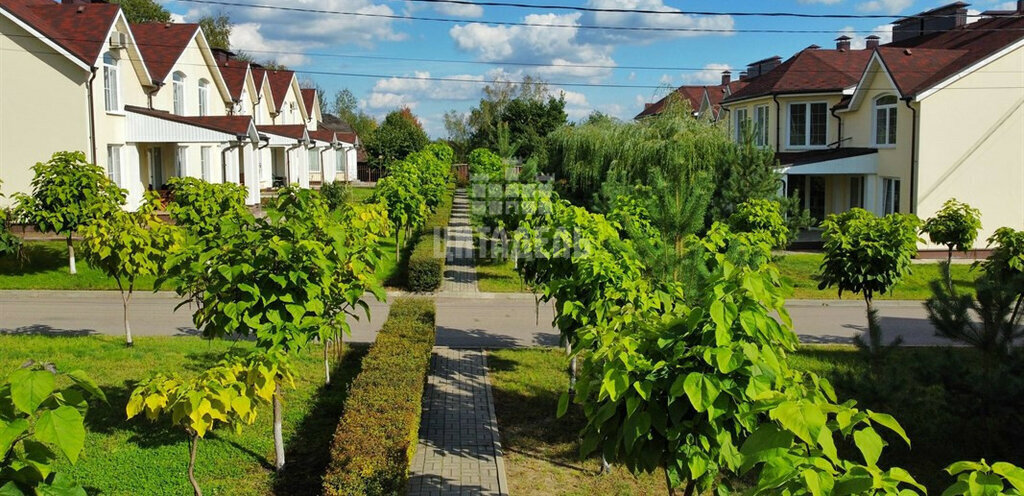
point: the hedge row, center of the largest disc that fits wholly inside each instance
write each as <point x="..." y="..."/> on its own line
<point x="378" y="433"/>
<point x="425" y="266"/>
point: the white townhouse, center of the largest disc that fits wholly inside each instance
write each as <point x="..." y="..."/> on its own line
<point x="335" y="157"/>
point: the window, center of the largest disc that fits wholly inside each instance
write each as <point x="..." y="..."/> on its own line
<point x="179" y="93"/>
<point x="204" y="161"/>
<point x="179" y="161"/>
<point x="740" y="123"/>
<point x="891" y="196"/>
<point x="114" y="163"/>
<point x="204" y="97"/>
<point x="111" y="83"/>
<point x="156" y="168"/>
<point x="885" y="120"/>
<point x="761" y="125"/>
<point x="314" y="160"/>
<point x="857" y="192"/>
<point x="808" y="124"/>
<point x="339" y="160"/>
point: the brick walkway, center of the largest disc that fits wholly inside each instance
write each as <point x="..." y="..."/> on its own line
<point x="459" y="452"/>
<point x="460" y="268"/>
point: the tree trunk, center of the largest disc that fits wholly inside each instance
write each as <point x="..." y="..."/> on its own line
<point x="398" y="247"/>
<point x="572" y="370"/>
<point x="949" y="269"/>
<point x="278" y="435"/>
<point x="193" y="446"/>
<point x="327" y="363"/>
<point x="125" y="299"/>
<point x="71" y="256"/>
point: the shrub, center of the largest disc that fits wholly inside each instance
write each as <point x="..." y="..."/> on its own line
<point x="425" y="267"/>
<point x="955" y="226"/>
<point x="764" y="218"/>
<point x="202" y="206"/>
<point x="336" y="194"/>
<point x="484" y="163"/>
<point x="377" y="435"/>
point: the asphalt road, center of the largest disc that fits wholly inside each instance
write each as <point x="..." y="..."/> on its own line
<point x="480" y="321"/>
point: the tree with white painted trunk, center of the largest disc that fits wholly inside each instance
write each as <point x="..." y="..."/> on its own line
<point x="128" y="245"/>
<point x="68" y="193"/>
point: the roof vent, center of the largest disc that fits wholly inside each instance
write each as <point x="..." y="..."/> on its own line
<point x="906" y="51"/>
<point x="843" y="43"/>
<point x="813" y="47"/>
<point x="80" y="9"/>
<point x="871" y="42"/>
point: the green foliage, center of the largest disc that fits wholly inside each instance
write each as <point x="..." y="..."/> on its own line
<point x="1006" y="263"/>
<point x="40" y="423"/>
<point x="400" y="193"/>
<point x="764" y="217"/>
<point x="346" y="107"/>
<point x="485" y="164"/>
<point x="865" y="253"/>
<point x="378" y="433"/>
<point x="68" y="193"/>
<point x="982" y="479"/>
<point x="956" y="225"/>
<point x="217" y="29"/>
<point x="743" y="172"/>
<point x="515" y="118"/>
<point x="399" y="135"/>
<point x="202" y="206"/>
<point x="140" y="11"/>
<point x="426" y="264"/>
<point x="9" y="243"/>
<point x="336" y="194"/>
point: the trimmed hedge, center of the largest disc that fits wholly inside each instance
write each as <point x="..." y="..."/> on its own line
<point x="378" y="433"/>
<point x="425" y="265"/>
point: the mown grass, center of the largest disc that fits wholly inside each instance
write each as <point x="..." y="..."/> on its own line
<point x="359" y="194"/>
<point x="935" y="393"/>
<point x="130" y="457"/>
<point x="498" y="276"/>
<point x="800" y="270"/>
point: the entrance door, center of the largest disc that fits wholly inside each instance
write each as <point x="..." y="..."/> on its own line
<point x="816" y="196"/>
<point x="156" y="168"/>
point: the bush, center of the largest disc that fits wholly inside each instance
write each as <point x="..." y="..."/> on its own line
<point x="336" y="194"/>
<point x="377" y="435"/>
<point x="425" y="267"/>
<point x="202" y="206"/>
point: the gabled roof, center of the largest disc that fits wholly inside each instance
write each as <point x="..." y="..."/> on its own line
<point x="322" y="134"/>
<point x="309" y="98"/>
<point x="812" y="70"/>
<point x="294" y="131"/>
<point x="162" y="44"/>
<point x="238" y="125"/>
<point x="80" y="29"/>
<point x="692" y="94"/>
<point x="234" y="72"/>
<point x="279" y="85"/>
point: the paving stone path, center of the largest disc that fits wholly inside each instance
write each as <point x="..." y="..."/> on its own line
<point x="460" y="268"/>
<point x="459" y="452"/>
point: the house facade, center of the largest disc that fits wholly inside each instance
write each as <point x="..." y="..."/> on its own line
<point x="938" y="113"/>
<point x="148" y="102"/>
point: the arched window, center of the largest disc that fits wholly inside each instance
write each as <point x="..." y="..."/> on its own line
<point x="885" y="120"/>
<point x="111" y="83"/>
<point x="179" y="93"/>
<point x="204" y="97"/>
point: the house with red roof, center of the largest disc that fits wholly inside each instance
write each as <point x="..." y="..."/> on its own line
<point x="702" y="100"/>
<point x="937" y="113"/>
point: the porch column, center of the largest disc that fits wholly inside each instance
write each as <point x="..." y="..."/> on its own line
<point x="252" y="178"/>
<point x="231" y="168"/>
<point x="351" y="164"/>
<point x="131" y="175"/>
<point x="872" y="199"/>
<point x="303" y="166"/>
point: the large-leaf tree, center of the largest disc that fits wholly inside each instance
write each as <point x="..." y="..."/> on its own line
<point x="68" y="193"/>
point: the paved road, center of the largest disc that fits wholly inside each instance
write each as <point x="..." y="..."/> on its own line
<point x="478" y="320"/>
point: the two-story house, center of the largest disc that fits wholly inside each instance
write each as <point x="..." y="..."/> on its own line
<point x="901" y="127"/>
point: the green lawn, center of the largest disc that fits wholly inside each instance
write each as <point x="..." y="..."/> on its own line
<point x="360" y="193"/>
<point x="935" y="393"/>
<point x="133" y="457"/>
<point x="498" y="276"/>
<point x="46" y="267"/>
<point x="799" y="271"/>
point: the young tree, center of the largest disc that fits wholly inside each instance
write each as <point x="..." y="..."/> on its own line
<point x="457" y="125"/>
<point x="201" y="206"/>
<point x="231" y="392"/>
<point x="406" y="207"/>
<point x="217" y="29"/>
<point x="67" y="194"/>
<point x="866" y="254"/>
<point x="126" y="245"/>
<point x="763" y="217"/>
<point x="9" y="243"/>
<point x="399" y="135"/>
<point x="346" y="107"/>
<point x="956" y="225"/>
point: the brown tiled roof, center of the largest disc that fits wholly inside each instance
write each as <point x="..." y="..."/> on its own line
<point x="691" y="94"/>
<point x="233" y="72"/>
<point x="810" y="70"/>
<point x="80" y="29"/>
<point x="309" y="99"/>
<point x="296" y="131"/>
<point x="279" y="85"/>
<point x="258" y="75"/>
<point x="322" y="134"/>
<point x="230" y="124"/>
<point x="162" y="44"/>
<point x="917" y="64"/>
<point x="335" y="123"/>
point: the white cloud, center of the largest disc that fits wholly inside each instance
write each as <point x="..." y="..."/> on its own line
<point x="177" y="18"/>
<point x="859" y="40"/>
<point x="248" y="37"/>
<point x="700" y="25"/>
<point x="388" y="101"/>
<point x="886" y="6"/>
<point x="424" y="88"/>
<point x="666" y="79"/>
<point x="711" y="74"/>
<point x="459" y="10"/>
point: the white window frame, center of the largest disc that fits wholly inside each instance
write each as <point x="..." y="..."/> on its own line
<point x="890" y="195"/>
<point x="178" y="90"/>
<point x="204" y="161"/>
<point x="339" y="160"/>
<point x="741" y="119"/>
<point x="807" y="126"/>
<point x="314" y="160"/>
<point x="111" y="92"/>
<point x="180" y="161"/>
<point x="891" y="117"/>
<point x="114" y="164"/>
<point x="204" y="97"/>
<point x="761" y="113"/>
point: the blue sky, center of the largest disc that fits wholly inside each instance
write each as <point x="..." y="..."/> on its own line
<point x="326" y="43"/>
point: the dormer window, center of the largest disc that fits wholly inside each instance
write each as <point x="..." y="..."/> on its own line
<point x="179" y="93"/>
<point x="204" y="97"/>
<point x="111" y="83"/>
<point x="885" y="120"/>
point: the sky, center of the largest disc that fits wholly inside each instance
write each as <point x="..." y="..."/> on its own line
<point x="645" y="64"/>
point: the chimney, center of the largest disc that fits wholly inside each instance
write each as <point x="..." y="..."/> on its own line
<point x="1020" y="6"/>
<point x="843" y="43"/>
<point x="222" y="56"/>
<point x="743" y="75"/>
<point x="727" y="76"/>
<point x="938" y="20"/>
<point x="871" y="42"/>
